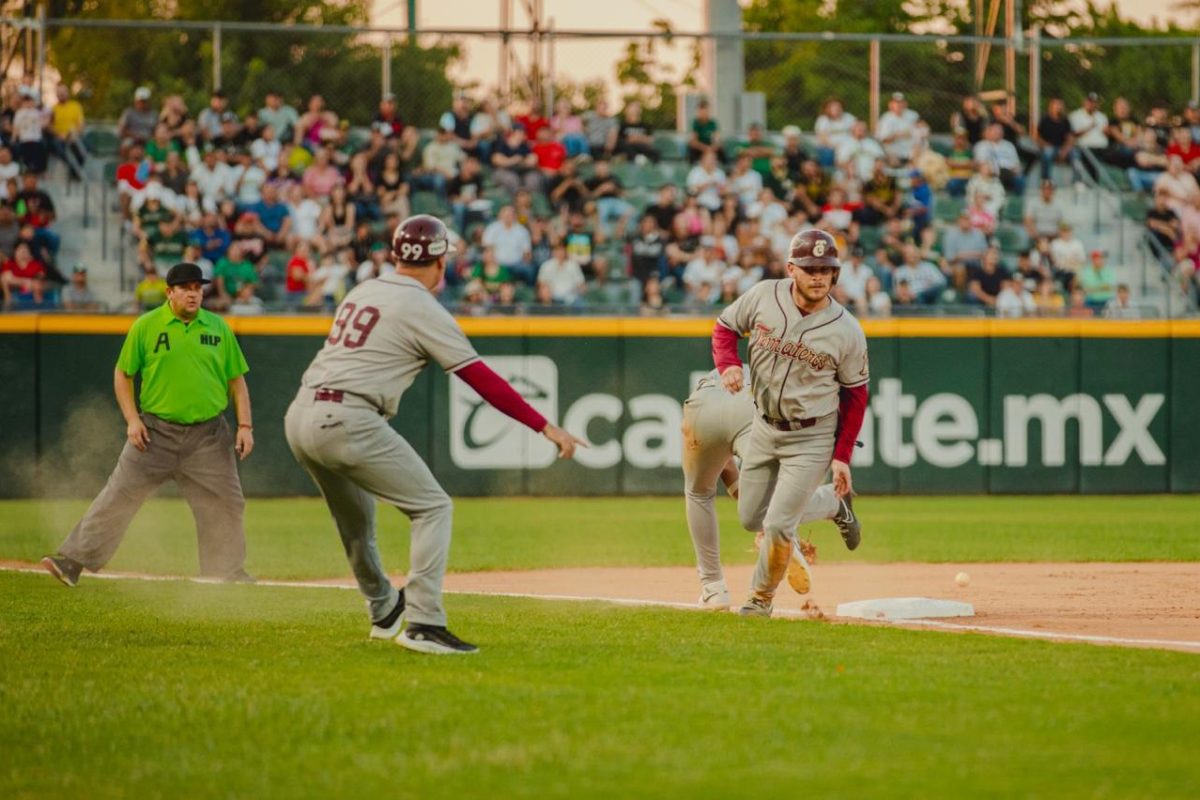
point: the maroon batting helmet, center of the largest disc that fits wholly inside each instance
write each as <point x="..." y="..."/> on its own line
<point x="813" y="248"/>
<point x="421" y="240"/>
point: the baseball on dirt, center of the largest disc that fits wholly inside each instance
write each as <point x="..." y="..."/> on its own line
<point x="962" y="579"/>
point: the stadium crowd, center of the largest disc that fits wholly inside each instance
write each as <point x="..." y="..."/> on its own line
<point x="288" y="208"/>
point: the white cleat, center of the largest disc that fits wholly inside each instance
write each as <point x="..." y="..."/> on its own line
<point x="389" y="627"/>
<point x="715" y="596"/>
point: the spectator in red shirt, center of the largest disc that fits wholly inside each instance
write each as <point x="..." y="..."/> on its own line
<point x="532" y="121"/>
<point x="298" y="271"/>
<point x="131" y="176"/>
<point x="1186" y="148"/>
<point x="22" y="275"/>
<point x="550" y="153"/>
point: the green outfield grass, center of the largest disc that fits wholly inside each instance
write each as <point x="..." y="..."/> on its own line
<point x="294" y="538"/>
<point x="128" y="689"/>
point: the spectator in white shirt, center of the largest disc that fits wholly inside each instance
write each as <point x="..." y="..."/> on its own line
<point x="706" y="181"/>
<point x="897" y="130"/>
<point x="1120" y="306"/>
<point x="511" y="243"/>
<point x="1089" y="124"/>
<point x="925" y="279"/>
<point x="857" y="155"/>
<point x="1002" y="155"/>
<point x="705" y="268"/>
<point x="563" y="276"/>
<point x="266" y="149"/>
<point x="1067" y="252"/>
<point x="984" y="182"/>
<point x="854" y="275"/>
<point x="1014" y="300"/>
<point x="1177" y="184"/>
<point x="745" y="182"/>
<point x="832" y="129"/>
<point x="212" y="175"/>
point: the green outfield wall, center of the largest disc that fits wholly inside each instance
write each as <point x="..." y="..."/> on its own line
<point x="958" y="406"/>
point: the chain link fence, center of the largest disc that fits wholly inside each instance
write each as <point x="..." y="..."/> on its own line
<point x="104" y="61"/>
<point x="352" y="68"/>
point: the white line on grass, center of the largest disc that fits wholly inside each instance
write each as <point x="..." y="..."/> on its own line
<point x="640" y="603"/>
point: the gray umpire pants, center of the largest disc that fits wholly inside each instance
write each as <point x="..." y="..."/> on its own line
<point x="201" y="460"/>
<point x="354" y="456"/>
<point x="717" y="426"/>
<point x="780" y="473"/>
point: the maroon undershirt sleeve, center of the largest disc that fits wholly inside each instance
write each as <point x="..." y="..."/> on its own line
<point x="852" y="405"/>
<point x="725" y="348"/>
<point x="497" y="391"/>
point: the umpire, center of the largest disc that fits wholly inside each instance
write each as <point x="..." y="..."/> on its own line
<point x="190" y="365"/>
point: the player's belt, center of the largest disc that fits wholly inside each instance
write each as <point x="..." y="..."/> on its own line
<point x="790" y="424"/>
<point x="329" y="396"/>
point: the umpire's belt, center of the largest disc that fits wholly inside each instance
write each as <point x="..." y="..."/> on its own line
<point x="790" y="424"/>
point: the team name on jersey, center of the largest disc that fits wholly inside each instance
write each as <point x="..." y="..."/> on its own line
<point x="765" y="339"/>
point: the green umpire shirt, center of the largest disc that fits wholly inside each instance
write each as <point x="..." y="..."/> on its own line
<point x="185" y="367"/>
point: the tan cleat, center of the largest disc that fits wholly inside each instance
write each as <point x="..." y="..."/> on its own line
<point x="799" y="576"/>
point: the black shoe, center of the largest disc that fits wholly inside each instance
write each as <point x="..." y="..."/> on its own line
<point x="65" y="569"/>
<point x="433" y="639"/>
<point x="847" y="523"/>
<point x="389" y="626"/>
<point x="241" y="576"/>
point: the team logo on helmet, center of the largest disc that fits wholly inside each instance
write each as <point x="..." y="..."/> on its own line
<point x="813" y="248"/>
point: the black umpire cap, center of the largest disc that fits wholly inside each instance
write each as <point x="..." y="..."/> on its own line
<point x="185" y="272"/>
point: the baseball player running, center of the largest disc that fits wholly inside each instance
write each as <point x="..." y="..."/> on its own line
<point x="716" y="428"/>
<point x="808" y="378"/>
<point x="383" y="334"/>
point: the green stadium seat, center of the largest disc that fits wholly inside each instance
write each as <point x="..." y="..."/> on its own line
<point x="1135" y="206"/>
<point x="101" y="142"/>
<point x="670" y="144"/>
<point x="947" y="208"/>
<point x="1014" y="209"/>
<point x="869" y="237"/>
<point x="1011" y="239"/>
<point x="429" y="203"/>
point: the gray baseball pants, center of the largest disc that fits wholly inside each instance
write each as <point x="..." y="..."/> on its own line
<point x="716" y="426"/>
<point x="354" y="456"/>
<point x="202" y="461"/>
<point x="780" y="473"/>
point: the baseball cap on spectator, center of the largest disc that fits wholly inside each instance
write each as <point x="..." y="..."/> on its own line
<point x="384" y="128"/>
<point x="1097" y="254"/>
<point x="228" y="116"/>
<point x="388" y="96"/>
<point x="142" y="93"/>
<point x="1095" y="98"/>
<point x="78" y="268"/>
<point x="791" y="130"/>
<point x="897" y="95"/>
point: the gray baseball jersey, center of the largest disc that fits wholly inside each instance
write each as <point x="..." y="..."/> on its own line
<point x="716" y="425"/>
<point x="384" y="333"/>
<point x="798" y="362"/>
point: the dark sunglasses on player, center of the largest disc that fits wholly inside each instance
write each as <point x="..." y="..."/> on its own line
<point x="819" y="270"/>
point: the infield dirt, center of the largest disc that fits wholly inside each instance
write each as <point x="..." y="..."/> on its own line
<point x="1158" y="601"/>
